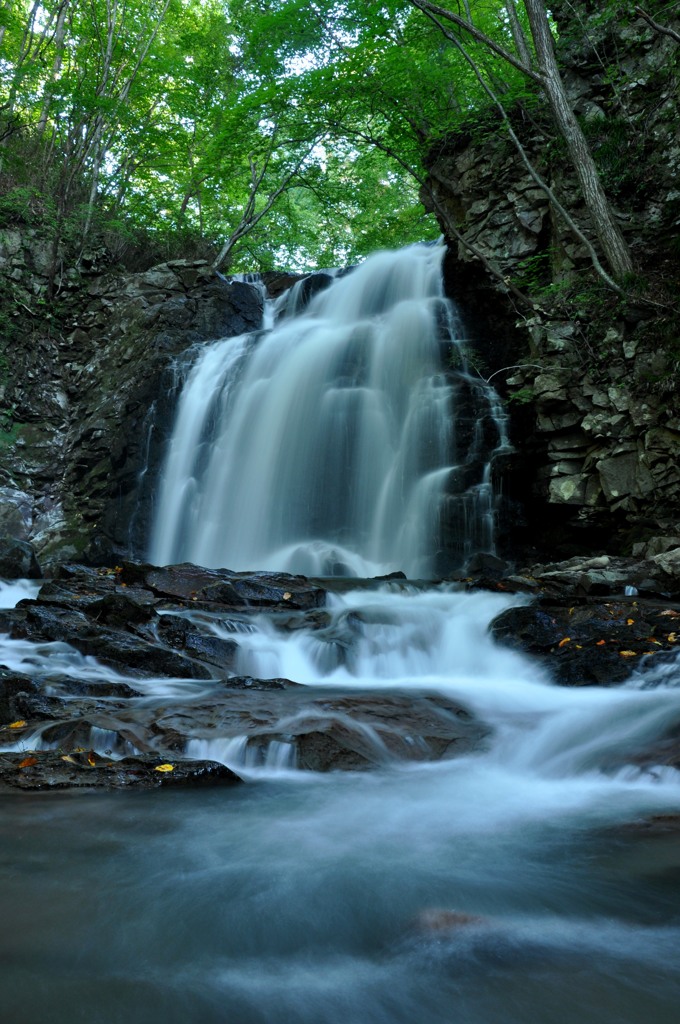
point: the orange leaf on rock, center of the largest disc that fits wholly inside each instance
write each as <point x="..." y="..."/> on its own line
<point x="18" y="725"/>
<point x="629" y="622"/>
<point x="566" y="640"/>
<point x="600" y="643"/>
<point x="28" y="762"/>
<point x="90" y="759"/>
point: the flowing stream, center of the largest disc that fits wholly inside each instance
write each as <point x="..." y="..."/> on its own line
<point x="323" y="899"/>
<point x="520" y="883"/>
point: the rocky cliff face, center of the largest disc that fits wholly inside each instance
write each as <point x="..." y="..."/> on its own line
<point x="592" y="382"/>
<point x="79" y="384"/>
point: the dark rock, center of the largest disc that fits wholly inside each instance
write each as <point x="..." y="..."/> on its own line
<point x="249" y="683"/>
<point x="18" y="560"/>
<point x="182" y="634"/>
<point x="117" y="648"/>
<point x="101" y="688"/>
<point x="12" y="685"/>
<point x="329" y="731"/>
<point x="42" y="770"/>
<point x="487" y="565"/>
<point x="235" y="590"/>
<point x="589" y="643"/>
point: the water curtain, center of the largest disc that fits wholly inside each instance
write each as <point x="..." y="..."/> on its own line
<point x="350" y="438"/>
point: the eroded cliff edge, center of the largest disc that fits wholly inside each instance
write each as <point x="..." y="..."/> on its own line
<point x="87" y="392"/>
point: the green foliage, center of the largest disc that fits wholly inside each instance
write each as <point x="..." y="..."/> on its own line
<point x="523" y="396"/>
<point x="22" y="204"/>
<point x="154" y="125"/>
<point x="533" y="274"/>
<point x="618" y="153"/>
<point x="176" y="125"/>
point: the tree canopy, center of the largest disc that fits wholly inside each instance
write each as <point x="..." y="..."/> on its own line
<point x="257" y="132"/>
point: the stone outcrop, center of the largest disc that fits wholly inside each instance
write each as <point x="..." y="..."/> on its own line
<point x="592" y="382"/>
<point x="594" y="621"/>
<point x="79" y="385"/>
<point x="49" y="770"/>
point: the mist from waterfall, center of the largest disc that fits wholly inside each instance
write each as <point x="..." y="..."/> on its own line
<point x="348" y="439"/>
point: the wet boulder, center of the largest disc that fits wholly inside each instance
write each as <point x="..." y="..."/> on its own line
<point x="17" y="560"/>
<point x="13" y="686"/>
<point x="590" y="642"/>
<point x="324" y="730"/>
<point x="244" y="591"/>
<point x="45" y="770"/>
<point x="181" y="634"/>
<point x="116" y="648"/>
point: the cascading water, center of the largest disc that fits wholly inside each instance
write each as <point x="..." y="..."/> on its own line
<point x="338" y="442"/>
<point x="527" y="879"/>
<point x="515" y="883"/>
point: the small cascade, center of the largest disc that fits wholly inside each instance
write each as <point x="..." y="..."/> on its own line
<point x="245" y="753"/>
<point x="349" y="438"/>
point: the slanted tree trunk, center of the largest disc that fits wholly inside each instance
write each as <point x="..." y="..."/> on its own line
<point x="611" y="239"/>
<point x="546" y="74"/>
<point x="518" y="36"/>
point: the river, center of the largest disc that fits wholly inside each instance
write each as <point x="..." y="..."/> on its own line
<point x="300" y="898"/>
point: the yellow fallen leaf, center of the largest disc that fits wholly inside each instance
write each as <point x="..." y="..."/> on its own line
<point x="18" y="725"/>
<point x="672" y="637"/>
<point x="566" y="640"/>
<point x="71" y="760"/>
<point x="629" y="622"/>
<point x="287" y="596"/>
<point x="628" y="654"/>
<point x="164" y="768"/>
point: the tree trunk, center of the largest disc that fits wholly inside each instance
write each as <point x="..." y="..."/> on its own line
<point x="611" y="239"/>
<point x="59" y="37"/>
<point x="518" y="36"/>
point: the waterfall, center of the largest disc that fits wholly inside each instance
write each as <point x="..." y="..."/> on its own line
<point x="350" y="438"/>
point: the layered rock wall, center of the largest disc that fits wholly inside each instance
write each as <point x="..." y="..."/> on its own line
<point x="81" y="376"/>
<point x="593" y="383"/>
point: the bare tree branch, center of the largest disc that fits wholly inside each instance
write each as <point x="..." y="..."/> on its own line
<point x="481" y="37"/>
<point x="662" y="29"/>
